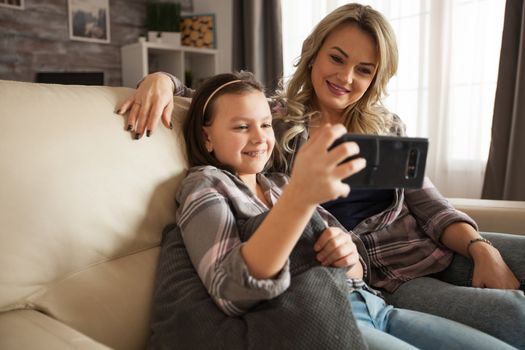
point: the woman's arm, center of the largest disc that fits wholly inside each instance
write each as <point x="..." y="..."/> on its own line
<point x="490" y="270"/>
<point x="432" y="211"/>
<point x="455" y="230"/>
<point x="152" y="102"/>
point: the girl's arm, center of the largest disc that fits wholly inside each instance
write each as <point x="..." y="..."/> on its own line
<point x="239" y="275"/>
<point x="152" y="102"/>
<point x="209" y="228"/>
<point x="316" y="178"/>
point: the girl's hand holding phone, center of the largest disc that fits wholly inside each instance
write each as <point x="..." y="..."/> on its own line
<point x="318" y="172"/>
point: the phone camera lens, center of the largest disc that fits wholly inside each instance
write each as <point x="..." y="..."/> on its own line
<point x="411" y="170"/>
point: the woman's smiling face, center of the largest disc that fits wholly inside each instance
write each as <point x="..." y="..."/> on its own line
<point x="344" y="68"/>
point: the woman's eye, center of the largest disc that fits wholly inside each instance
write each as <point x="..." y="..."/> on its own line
<point x="366" y="71"/>
<point x="267" y="125"/>
<point x="241" y="127"/>
<point x="336" y="59"/>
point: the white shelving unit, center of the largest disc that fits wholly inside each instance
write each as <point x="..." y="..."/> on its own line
<point x="142" y="58"/>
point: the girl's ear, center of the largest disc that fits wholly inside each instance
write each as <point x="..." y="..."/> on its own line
<point x="207" y="141"/>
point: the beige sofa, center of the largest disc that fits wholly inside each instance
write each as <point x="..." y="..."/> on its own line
<point x="82" y="207"/>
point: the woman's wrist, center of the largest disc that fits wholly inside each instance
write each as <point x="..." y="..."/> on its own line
<point x="480" y="247"/>
<point x="166" y="77"/>
<point x="171" y="79"/>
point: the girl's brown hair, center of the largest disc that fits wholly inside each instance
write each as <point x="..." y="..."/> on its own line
<point x="202" y="109"/>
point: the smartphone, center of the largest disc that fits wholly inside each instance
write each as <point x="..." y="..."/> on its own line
<point x="391" y="161"/>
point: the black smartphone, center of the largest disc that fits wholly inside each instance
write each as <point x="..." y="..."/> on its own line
<point x="391" y="161"/>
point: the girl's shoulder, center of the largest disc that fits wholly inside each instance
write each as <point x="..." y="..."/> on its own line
<point x="205" y="171"/>
<point x="205" y="178"/>
<point x="277" y="178"/>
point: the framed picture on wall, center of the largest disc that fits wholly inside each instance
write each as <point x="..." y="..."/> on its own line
<point x="89" y="20"/>
<point x="15" y="4"/>
<point x="186" y="5"/>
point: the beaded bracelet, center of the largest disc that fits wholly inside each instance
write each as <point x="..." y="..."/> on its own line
<point x="472" y="241"/>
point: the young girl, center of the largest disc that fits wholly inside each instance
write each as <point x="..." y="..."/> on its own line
<point x="229" y="142"/>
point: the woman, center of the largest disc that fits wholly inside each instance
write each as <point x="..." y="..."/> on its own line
<point x="425" y="255"/>
<point x="229" y="143"/>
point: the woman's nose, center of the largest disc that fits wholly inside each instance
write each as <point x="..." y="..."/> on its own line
<point x="346" y="75"/>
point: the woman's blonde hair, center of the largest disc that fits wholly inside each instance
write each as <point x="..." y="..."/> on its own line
<point x="367" y="115"/>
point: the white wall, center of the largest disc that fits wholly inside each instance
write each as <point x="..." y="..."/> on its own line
<point x="223" y="10"/>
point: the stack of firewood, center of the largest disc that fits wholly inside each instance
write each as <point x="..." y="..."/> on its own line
<point x="197" y="31"/>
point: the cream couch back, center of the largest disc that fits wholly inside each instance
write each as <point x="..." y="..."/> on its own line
<point x="82" y="208"/>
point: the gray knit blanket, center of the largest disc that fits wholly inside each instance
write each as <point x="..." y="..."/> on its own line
<point x="314" y="313"/>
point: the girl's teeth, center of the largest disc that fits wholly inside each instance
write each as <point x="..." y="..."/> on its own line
<point x="254" y="154"/>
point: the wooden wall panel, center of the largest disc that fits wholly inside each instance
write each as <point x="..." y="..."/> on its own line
<point x="36" y="39"/>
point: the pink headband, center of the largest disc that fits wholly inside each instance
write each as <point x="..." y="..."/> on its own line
<point x="217" y="90"/>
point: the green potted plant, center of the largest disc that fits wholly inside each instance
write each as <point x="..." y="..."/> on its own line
<point x="163" y="21"/>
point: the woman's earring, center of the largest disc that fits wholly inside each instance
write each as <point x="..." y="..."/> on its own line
<point x="310" y="64"/>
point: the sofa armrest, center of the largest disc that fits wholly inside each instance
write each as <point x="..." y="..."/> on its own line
<point x="494" y="215"/>
<point x="30" y="329"/>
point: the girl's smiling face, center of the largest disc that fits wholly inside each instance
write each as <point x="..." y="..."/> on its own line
<point x="241" y="134"/>
<point x="344" y="68"/>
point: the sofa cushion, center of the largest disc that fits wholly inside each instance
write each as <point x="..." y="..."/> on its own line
<point x="78" y="196"/>
<point x="305" y="316"/>
<point x="29" y="329"/>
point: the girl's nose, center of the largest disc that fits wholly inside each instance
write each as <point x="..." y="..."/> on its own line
<point x="258" y="136"/>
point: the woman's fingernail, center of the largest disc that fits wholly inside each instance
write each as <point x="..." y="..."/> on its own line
<point x="129" y="127"/>
<point x="137" y="136"/>
<point x="148" y="132"/>
<point x="171" y="125"/>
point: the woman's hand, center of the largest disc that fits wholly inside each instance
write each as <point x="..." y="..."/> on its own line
<point x="317" y="172"/>
<point x="490" y="271"/>
<point x="152" y="101"/>
<point x="336" y="248"/>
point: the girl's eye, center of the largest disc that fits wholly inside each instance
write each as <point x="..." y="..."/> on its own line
<point x="336" y="59"/>
<point x="241" y="127"/>
<point x="267" y="125"/>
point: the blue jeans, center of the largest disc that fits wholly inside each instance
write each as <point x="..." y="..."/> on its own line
<point x="386" y="327"/>
<point x="500" y="313"/>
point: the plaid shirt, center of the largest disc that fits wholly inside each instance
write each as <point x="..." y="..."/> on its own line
<point x="211" y="203"/>
<point x="403" y="242"/>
